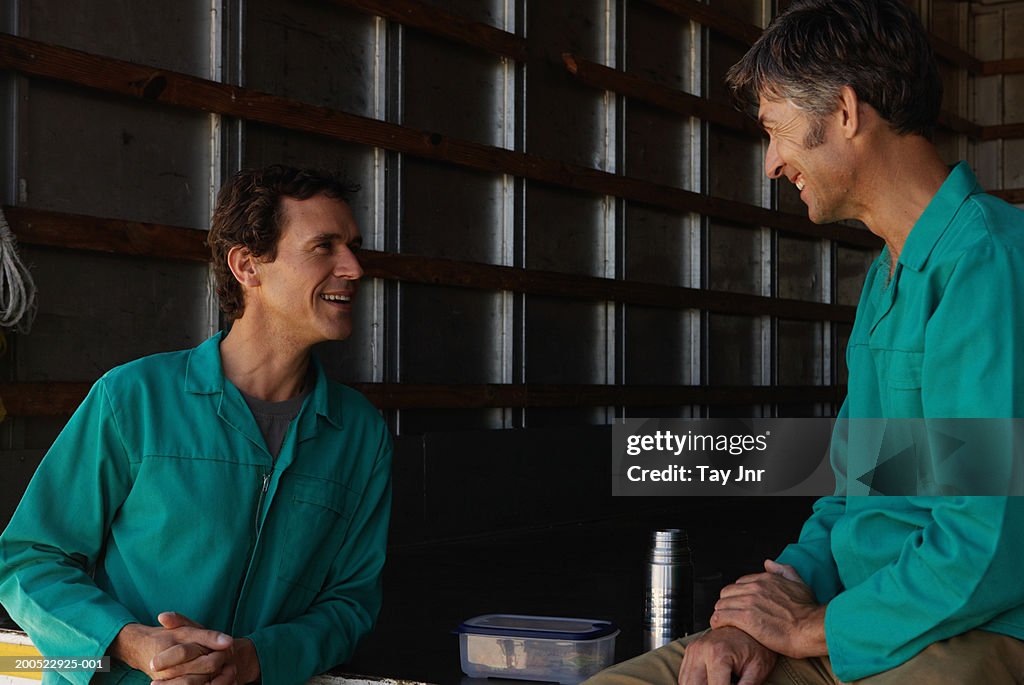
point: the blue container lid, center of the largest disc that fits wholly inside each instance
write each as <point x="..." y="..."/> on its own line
<point x="543" y="627"/>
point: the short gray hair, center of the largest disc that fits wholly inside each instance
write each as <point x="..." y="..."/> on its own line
<point x="814" y="48"/>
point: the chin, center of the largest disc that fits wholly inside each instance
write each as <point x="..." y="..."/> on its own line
<point x="818" y="218"/>
<point x="338" y="335"/>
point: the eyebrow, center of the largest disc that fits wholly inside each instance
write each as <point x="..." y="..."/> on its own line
<point x="320" y="237"/>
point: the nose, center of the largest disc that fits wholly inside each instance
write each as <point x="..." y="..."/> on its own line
<point x="347" y="265"/>
<point x="772" y="161"/>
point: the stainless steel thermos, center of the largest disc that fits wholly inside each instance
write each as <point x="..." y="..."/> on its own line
<point x="668" y="600"/>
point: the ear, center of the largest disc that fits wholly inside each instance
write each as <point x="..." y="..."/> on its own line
<point x="849" y="111"/>
<point x="243" y="266"/>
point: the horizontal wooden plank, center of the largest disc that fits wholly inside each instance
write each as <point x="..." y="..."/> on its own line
<point x="42" y="399"/>
<point x="956" y="56"/>
<point x="431" y="19"/>
<point x="1003" y="66"/>
<point x="161" y="86"/>
<point x="61" y="399"/>
<point x="114" y="236"/>
<point x="747" y="33"/>
<point x="411" y="396"/>
<point x="1011" y="195"/>
<point x="957" y="124"/>
<point x="72" y="231"/>
<point x="439" y="22"/>
<point x="1003" y="132"/>
<point x="712" y="18"/>
<point x="553" y="284"/>
<point x="600" y="76"/>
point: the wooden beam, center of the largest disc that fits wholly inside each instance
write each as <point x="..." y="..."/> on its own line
<point x="454" y="27"/>
<point x="1002" y="132"/>
<point x="1012" y="195"/>
<point x="958" y="124"/>
<point x="747" y="33"/>
<point x="114" y="236"/>
<point x="430" y="19"/>
<point x="160" y="86"/>
<point x="409" y="396"/>
<point x="600" y="76"/>
<point x="707" y="16"/>
<point x="956" y="56"/>
<point x="435" y="271"/>
<point x="1003" y="66"/>
<point x="73" y="231"/>
<point x="61" y="399"/>
<point x="42" y="399"/>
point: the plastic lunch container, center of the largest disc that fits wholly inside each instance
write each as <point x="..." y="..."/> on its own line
<point x="563" y="650"/>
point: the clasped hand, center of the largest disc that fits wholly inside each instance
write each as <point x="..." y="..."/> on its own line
<point x="777" y="609"/>
<point x="756" y="618"/>
<point x="182" y="652"/>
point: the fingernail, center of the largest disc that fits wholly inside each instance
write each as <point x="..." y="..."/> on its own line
<point x="224" y="639"/>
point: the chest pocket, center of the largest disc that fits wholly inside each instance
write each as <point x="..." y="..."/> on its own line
<point x="899" y="375"/>
<point x="317" y="522"/>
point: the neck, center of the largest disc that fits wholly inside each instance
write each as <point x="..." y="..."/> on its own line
<point x="901" y="181"/>
<point x="261" y="364"/>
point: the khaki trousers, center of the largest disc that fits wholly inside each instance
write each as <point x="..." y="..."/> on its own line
<point x="977" y="657"/>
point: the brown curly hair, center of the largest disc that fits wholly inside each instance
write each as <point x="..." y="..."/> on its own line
<point x="248" y="213"/>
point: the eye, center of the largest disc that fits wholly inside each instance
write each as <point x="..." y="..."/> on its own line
<point x="324" y="247"/>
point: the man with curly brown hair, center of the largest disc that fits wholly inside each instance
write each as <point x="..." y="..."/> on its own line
<point x="219" y="515"/>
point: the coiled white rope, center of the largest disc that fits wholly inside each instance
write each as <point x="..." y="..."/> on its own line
<point x="17" y="291"/>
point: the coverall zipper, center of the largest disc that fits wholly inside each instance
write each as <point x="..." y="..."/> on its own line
<point x="259" y="506"/>
<point x="252" y="546"/>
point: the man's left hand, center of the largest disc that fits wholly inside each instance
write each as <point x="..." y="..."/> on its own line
<point x="777" y="609"/>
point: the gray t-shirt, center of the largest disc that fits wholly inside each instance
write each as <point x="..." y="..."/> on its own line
<point x="273" y="417"/>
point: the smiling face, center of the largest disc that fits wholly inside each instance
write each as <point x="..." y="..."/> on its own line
<point x="809" y="152"/>
<point x="307" y="292"/>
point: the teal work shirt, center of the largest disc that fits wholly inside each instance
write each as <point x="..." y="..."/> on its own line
<point x="943" y="338"/>
<point x="160" y="495"/>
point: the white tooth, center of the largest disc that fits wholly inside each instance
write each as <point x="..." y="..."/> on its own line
<point x="800" y="184"/>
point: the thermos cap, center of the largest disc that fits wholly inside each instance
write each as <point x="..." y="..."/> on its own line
<point x="669" y="545"/>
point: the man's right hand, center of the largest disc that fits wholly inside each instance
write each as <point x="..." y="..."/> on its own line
<point x="714" y="658"/>
<point x="155" y="650"/>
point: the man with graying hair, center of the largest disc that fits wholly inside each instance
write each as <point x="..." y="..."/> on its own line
<point x="883" y="590"/>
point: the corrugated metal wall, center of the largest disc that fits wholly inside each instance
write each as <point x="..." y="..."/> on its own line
<point x="604" y="207"/>
<point x="998" y="98"/>
<point x="86" y="153"/>
<point x="549" y="248"/>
